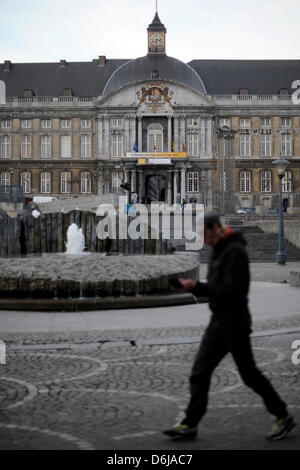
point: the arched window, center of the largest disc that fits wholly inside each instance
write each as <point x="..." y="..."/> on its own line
<point x="287" y="182"/>
<point x="65" y="182"/>
<point x="266" y="181"/>
<point x="86" y="182"/>
<point x="155" y="138"/>
<point x="245" y="181"/>
<point x="46" y="183"/>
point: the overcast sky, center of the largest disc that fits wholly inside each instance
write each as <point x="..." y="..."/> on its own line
<point x="80" y="30"/>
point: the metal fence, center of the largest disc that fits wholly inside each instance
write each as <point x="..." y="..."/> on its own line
<point x="11" y="194"/>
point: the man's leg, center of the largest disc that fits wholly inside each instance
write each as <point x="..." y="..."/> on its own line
<point x="240" y="347"/>
<point x="212" y="351"/>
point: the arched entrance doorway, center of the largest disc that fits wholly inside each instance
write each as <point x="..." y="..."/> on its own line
<point x="155" y="188"/>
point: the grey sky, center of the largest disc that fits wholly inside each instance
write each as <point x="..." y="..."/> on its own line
<point x="76" y="30"/>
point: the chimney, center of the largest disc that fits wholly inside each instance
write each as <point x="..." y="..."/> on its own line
<point x="7" y="65"/>
<point x="102" y="60"/>
<point x="63" y="63"/>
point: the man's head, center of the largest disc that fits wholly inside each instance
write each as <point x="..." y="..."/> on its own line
<point x="212" y="228"/>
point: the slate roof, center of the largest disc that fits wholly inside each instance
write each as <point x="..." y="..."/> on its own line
<point x="207" y="76"/>
<point x="141" y="69"/>
<point x="259" y="76"/>
<point x="49" y="79"/>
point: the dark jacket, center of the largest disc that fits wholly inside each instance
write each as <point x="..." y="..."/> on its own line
<point x="228" y="280"/>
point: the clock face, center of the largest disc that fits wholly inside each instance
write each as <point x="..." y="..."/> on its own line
<point x="157" y="39"/>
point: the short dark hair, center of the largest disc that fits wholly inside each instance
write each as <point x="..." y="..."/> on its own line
<point x="211" y="218"/>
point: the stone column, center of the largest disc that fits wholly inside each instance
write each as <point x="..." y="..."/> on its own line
<point x="140" y="135"/>
<point x="176" y="133"/>
<point x="106" y="137"/>
<point x="100" y="138"/>
<point x="132" y="132"/>
<point x="209" y="151"/>
<point x="182" y="134"/>
<point x="175" y="186"/>
<point x="182" y="189"/>
<point x="127" y="134"/>
<point x="202" y="138"/>
<point x="169" y="134"/>
<point x="209" y="189"/>
<point x="169" y="187"/>
<point x="141" y="186"/>
<point x="100" y="181"/>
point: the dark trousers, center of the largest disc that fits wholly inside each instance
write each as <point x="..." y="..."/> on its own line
<point x="217" y="341"/>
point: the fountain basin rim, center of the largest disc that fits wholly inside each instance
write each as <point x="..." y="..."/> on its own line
<point x="99" y="303"/>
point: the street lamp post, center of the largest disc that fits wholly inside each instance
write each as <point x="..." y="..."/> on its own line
<point x="281" y="165"/>
<point x="203" y="191"/>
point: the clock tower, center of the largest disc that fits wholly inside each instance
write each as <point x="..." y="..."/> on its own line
<point x="156" y="36"/>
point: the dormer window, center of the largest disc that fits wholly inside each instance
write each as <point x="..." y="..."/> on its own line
<point x="28" y="93"/>
<point x="283" y="91"/>
<point x="244" y="91"/>
<point x="67" y="92"/>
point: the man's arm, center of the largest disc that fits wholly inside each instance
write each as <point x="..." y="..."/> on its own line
<point x="234" y="282"/>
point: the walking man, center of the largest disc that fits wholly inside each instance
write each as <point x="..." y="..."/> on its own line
<point x="229" y="331"/>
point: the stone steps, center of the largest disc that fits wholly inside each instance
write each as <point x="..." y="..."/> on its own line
<point x="261" y="246"/>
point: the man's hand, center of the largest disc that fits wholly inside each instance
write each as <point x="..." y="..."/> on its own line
<point x="187" y="284"/>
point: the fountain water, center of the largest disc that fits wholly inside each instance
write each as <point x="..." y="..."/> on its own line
<point x="75" y="240"/>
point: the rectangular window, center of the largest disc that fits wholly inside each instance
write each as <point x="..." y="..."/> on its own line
<point x="26" y="123"/>
<point x="285" y="122"/>
<point x="66" y="123"/>
<point x="287" y="182"/>
<point x="86" y="183"/>
<point x="265" y="145"/>
<point x="225" y="122"/>
<point x="46" y="146"/>
<point x="5" y="146"/>
<point x="5" y="180"/>
<point x="117" y="122"/>
<point x="245" y="145"/>
<point x="117" y="145"/>
<point x="286" y="145"/>
<point x="45" y="183"/>
<point x="245" y="182"/>
<point x="192" y="122"/>
<point x="193" y="182"/>
<point x="46" y="123"/>
<point x="85" y="146"/>
<point x="85" y="123"/>
<point x="266" y="182"/>
<point x="6" y="124"/>
<point x="193" y="145"/>
<point x="26" y="146"/>
<point x="265" y="122"/>
<point x="245" y="123"/>
<point x="65" y="183"/>
<point x="66" y="146"/>
<point x="26" y="182"/>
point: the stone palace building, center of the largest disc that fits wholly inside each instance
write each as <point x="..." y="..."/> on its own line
<point x="206" y="131"/>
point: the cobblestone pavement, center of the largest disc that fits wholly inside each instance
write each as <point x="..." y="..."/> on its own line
<point x="100" y="397"/>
